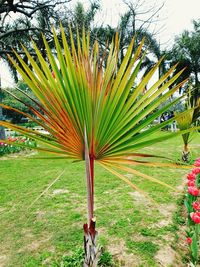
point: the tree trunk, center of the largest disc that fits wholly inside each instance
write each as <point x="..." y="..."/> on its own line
<point x="2" y="130"/>
<point x="2" y="133"/>
<point x="186" y="153"/>
<point x="92" y="250"/>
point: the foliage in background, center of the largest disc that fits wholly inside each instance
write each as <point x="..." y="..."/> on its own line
<point x="11" y="97"/>
<point x="13" y="147"/>
<point x="33" y="17"/>
<point x="186" y="51"/>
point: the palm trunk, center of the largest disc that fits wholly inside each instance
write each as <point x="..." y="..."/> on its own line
<point x="186" y="153"/>
<point x="2" y="130"/>
<point x="92" y="250"/>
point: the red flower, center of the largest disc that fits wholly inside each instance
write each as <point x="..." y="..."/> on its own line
<point x="191" y="176"/>
<point x="196" y="171"/>
<point x="196" y="205"/>
<point x="193" y="190"/>
<point x="195" y="216"/>
<point x="191" y="183"/>
<point x="189" y="240"/>
<point x="197" y="163"/>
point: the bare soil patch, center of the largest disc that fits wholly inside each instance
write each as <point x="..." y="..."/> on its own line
<point x="165" y="256"/>
<point x="3" y="260"/>
<point x="118" y="250"/>
<point x="60" y="191"/>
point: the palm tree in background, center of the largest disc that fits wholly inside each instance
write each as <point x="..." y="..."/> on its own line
<point x="186" y="51"/>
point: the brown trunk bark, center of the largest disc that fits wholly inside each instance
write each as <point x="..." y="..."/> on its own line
<point x="186" y="153"/>
<point x="92" y="250"/>
<point x="2" y="133"/>
<point x="2" y="130"/>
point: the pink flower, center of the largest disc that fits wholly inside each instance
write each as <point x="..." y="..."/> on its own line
<point x="1" y="144"/>
<point x="197" y="163"/>
<point x="196" y="170"/>
<point x="191" y="183"/>
<point x="191" y="176"/>
<point x="196" y="205"/>
<point x="189" y="240"/>
<point x="193" y="190"/>
<point x="195" y="216"/>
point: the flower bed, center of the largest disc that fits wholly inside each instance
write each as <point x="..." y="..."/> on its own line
<point x="15" y="147"/>
<point x="192" y="203"/>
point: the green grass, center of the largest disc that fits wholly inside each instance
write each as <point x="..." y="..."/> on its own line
<point x="130" y="226"/>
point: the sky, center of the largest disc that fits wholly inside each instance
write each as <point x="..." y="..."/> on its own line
<point x="175" y="16"/>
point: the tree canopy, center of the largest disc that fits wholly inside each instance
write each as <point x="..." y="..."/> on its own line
<point x="186" y="51"/>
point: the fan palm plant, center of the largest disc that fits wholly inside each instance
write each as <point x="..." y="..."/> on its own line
<point x="184" y="122"/>
<point x="86" y="108"/>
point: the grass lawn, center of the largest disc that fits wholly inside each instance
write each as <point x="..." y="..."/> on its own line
<point x="134" y="230"/>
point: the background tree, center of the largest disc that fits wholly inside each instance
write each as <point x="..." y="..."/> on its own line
<point x="80" y="17"/>
<point x="186" y="51"/>
<point x="11" y="97"/>
<point x="21" y="20"/>
<point x="137" y="22"/>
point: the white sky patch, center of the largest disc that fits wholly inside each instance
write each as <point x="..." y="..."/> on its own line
<point x="5" y="75"/>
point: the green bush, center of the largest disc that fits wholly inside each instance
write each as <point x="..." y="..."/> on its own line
<point x="77" y="258"/>
<point x="13" y="147"/>
<point x="105" y="259"/>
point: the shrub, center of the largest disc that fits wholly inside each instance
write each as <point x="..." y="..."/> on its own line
<point x="16" y="145"/>
<point x="76" y="259"/>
